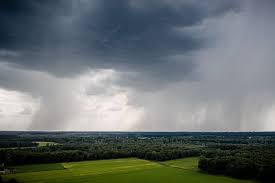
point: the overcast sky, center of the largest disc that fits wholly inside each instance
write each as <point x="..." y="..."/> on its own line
<point x="137" y="65"/>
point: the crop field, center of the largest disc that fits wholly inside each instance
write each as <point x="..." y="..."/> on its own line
<point x="117" y="170"/>
<point x="42" y="143"/>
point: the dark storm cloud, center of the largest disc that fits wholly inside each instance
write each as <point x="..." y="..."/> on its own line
<point x="177" y="64"/>
<point x="64" y="36"/>
<point x="25" y="23"/>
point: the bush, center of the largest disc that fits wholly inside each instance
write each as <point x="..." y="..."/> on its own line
<point x="12" y="180"/>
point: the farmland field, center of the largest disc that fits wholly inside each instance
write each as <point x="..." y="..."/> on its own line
<point x="117" y="170"/>
<point x="42" y="143"/>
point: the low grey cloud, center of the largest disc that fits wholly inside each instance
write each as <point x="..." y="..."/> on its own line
<point x="26" y="111"/>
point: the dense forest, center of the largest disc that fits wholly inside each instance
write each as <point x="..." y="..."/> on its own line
<point x="245" y="162"/>
<point x="240" y="155"/>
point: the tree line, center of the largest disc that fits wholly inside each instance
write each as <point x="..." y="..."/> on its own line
<point x="254" y="162"/>
<point x="78" y="153"/>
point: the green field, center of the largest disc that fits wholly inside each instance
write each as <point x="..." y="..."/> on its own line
<point x="117" y="170"/>
<point x="43" y="143"/>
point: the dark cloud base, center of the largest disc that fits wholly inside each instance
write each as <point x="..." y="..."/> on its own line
<point x="64" y="36"/>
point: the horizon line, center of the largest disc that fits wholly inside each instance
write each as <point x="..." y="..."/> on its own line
<point x="130" y="131"/>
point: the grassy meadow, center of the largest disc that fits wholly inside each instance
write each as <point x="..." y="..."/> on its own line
<point x="117" y="170"/>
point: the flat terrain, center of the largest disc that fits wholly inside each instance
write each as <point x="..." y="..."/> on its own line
<point x="118" y="170"/>
<point x="42" y="143"/>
